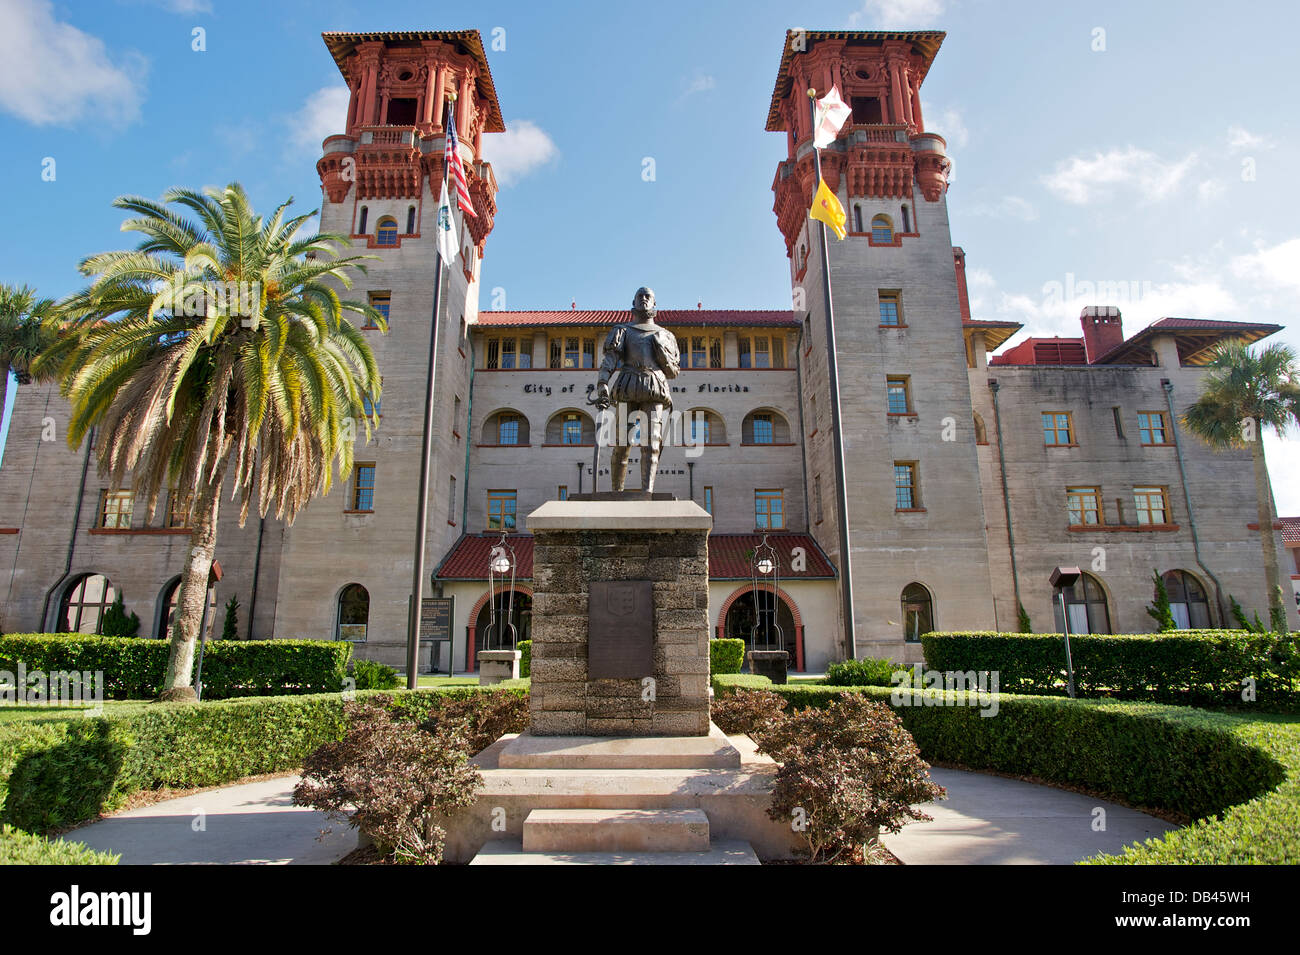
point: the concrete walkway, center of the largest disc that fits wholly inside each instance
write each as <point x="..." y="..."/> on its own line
<point x="991" y="820"/>
<point x="986" y="820"/>
<point x="249" y="824"/>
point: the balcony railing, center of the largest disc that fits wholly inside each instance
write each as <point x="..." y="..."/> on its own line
<point x="387" y="135"/>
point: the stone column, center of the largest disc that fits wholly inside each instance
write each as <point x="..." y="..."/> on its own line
<point x="618" y="668"/>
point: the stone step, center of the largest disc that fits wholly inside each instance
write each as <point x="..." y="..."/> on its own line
<point x="616" y="830"/>
<point x="721" y="852"/>
<point x="527" y="751"/>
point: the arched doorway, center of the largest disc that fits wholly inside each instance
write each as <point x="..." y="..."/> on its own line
<point x="1187" y="601"/>
<point x="1085" y="601"/>
<point x="353" y="616"/>
<point x="740" y="614"/>
<point x="167" y="600"/>
<point x="518" y="612"/>
<point x="84" y="604"/>
<point x="918" y="612"/>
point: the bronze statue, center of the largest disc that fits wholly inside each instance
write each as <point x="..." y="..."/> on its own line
<point x="644" y="356"/>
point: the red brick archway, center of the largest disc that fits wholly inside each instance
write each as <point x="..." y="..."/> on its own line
<point x="785" y="599"/>
<point x="470" y="648"/>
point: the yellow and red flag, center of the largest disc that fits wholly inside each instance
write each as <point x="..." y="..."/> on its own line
<point x="826" y="208"/>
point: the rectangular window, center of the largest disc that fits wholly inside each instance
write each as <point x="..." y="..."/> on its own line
<point x="900" y="400"/>
<point x="906" y="496"/>
<point x="455" y="421"/>
<point x="715" y="353"/>
<point x="501" y="510"/>
<point x="699" y="352"/>
<point x="891" y="312"/>
<point x="451" y="500"/>
<point x="557" y="353"/>
<point x="115" y="509"/>
<point x="778" y="352"/>
<point x="571" y="352"/>
<point x="562" y="492"/>
<point x="762" y="356"/>
<point x="817" y="497"/>
<point x="763" y="429"/>
<point x="493" y="357"/>
<point x="178" y="508"/>
<point x="508" y="353"/>
<point x="371" y="408"/>
<point x="1119" y="422"/>
<point x="708" y="498"/>
<point x="1084" y="505"/>
<point x="380" y="302"/>
<point x="1056" y="428"/>
<point x="1152" y="507"/>
<point x="769" y="508"/>
<point x="589" y="353"/>
<point x="508" y="429"/>
<point x="363" y="487"/>
<point x="572" y="433"/>
<point x="745" y="360"/>
<point x="1152" y="428"/>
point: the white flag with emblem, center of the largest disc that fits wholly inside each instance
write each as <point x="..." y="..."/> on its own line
<point x="831" y="114"/>
<point x="448" y="245"/>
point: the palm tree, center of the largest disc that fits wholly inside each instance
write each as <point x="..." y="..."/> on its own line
<point x="23" y="333"/>
<point x="218" y="345"/>
<point x="1243" y="393"/>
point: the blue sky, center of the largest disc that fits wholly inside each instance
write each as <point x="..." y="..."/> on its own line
<point x="1149" y="143"/>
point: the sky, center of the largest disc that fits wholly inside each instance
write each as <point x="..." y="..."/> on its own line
<point x="1149" y="146"/>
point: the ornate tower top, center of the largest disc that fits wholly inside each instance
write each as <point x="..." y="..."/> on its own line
<point x="884" y="148"/>
<point x="393" y="137"/>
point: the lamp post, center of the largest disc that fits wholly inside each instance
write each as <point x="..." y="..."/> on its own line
<point x="1061" y="579"/>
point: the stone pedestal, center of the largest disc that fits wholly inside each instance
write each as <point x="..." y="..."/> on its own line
<point x="497" y="665"/>
<point x="772" y="664"/>
<point x="643" y="670"/>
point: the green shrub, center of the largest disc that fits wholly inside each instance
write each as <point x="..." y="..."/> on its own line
<point x="230" y="629"/>
<point x="1148" y="755"/>
<point x="726" y="655"/>
<point x="23" y="848"/>
<point x="134" y="669"/>
<point x="525" y="648"/>
<point x="58" y="773"/>
<point x="1159" y="610"/>
<point x="1186" y="666"/>
<point x="864" y="672"/>
<point x="373" y="675"/>
<point x="728" y="682"/>
<point x="117" y="623"/>
<point x="746" y="713"/>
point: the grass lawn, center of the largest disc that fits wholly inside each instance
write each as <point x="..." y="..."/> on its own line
<point x="31" y="713"/>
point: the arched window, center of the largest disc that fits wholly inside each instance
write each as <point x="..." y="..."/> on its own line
<point x="857" y="217"/>
<point x="882" y="230"/>
<point x="361" y="222"/>
<point x="705" y="427"/>
<point x="506" y="427"/>
<point x="918" y="612"/>
<point x="410" y="220"/>
<point x="765" y="426"/>
<point x="84" y="604"/>
<point x="354" y="614"/>
<point x="1187" y="601"/>
<point x="386" y="231"/>
<point x="570" y="427"/>
<point x="1085" y="602"/>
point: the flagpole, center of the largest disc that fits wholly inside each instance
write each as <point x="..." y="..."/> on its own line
<point x="426" y="453"/>
<point x="837" y="431"/>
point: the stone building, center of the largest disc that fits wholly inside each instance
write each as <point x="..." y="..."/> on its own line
<point x="967" y="475"/>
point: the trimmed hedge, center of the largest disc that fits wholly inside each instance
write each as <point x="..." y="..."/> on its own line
<point x="726" y="655"/>
<point x="525" y="648"/>
<point x="863" y="672"/>
<point x="1145" y="754"/>
<point x="23" y="848"/>
<point x="135" y="668"/>
<point x="58" y="773"/>
<point x="1189" y="666"/>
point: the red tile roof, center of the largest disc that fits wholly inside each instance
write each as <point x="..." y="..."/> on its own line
<point x="666" y="317"/>
<point x="728" y="556"/>
<point x="1290" y="530"/>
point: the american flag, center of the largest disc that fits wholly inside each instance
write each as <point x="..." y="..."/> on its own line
<point x="458" y="169"/>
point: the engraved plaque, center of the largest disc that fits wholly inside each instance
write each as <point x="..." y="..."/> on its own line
<point x="620" y="629"/>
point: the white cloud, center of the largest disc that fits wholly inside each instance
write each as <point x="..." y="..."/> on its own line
<point x="1008" y="207"/>
<point x="700" y="83"/>
<point x="1239" y="138"/>
<point x="51" y="73"/>
<point x="947" y="123"/>
<point x="897" y="14"/>
<point x="1209" y="190"/>
<point x="1080" y="180"/>
<point x="324" y="113"/>
<point x="521" y="149"/>
<point x="1278" y="265"/>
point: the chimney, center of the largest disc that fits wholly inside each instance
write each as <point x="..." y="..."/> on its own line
<point x="1103" y="329"/>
